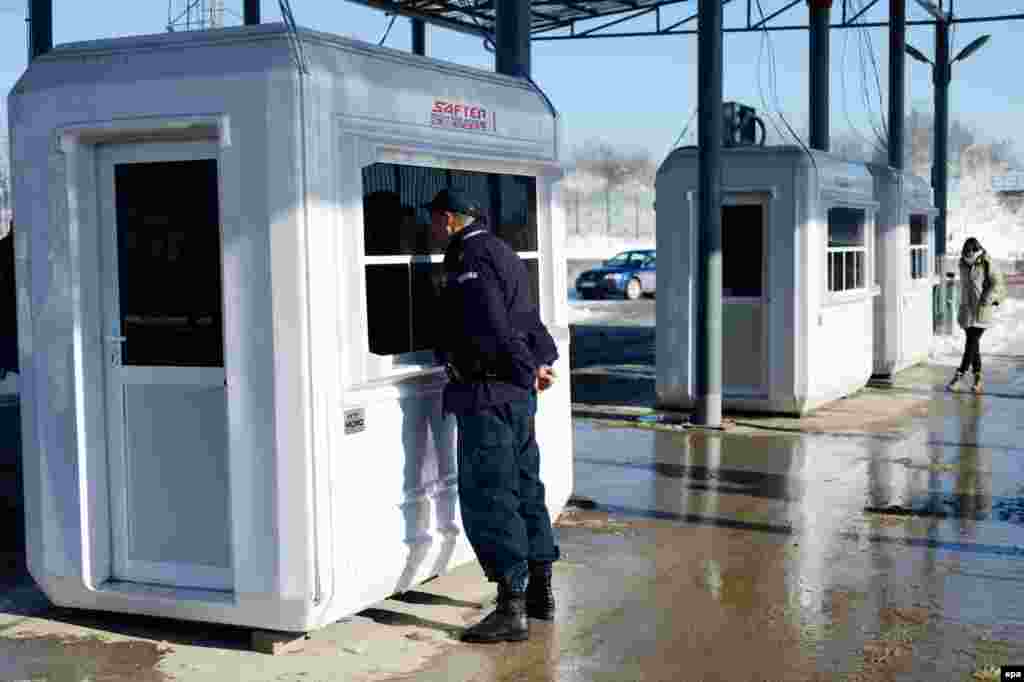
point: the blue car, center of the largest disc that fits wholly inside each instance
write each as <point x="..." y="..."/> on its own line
<point x="630" y="274"/>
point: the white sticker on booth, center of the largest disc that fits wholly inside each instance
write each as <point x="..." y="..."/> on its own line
<point x="449" y="114"/>
<point x="355" y="421"/>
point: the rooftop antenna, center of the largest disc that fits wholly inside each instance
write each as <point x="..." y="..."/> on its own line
<point x="194" y="15"/>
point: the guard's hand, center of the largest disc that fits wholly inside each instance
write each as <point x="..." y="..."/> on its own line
<point x="545" y="377"/>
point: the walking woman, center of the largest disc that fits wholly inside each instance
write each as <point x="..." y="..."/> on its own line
<point x="979" y="291"/>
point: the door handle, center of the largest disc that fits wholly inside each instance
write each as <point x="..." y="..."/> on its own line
<point x="116" y="339"/>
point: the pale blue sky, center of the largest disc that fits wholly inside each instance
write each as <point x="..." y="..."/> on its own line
<point x="632" y="92"/>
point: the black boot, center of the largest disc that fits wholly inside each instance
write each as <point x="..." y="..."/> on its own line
<point x="540" y="600"/>
<point x="507" y="623"/>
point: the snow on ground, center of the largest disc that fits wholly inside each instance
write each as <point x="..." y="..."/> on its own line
<point x="602" y="247"/>
<point x="1007" y="330"/>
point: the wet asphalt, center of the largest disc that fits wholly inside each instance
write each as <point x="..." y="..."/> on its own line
<point x="769" y="556"/>
<point x="750" y="554"/>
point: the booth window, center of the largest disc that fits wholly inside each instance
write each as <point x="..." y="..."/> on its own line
<point x="405" y="263"/>
<point x="742" y="250"/>
<point x="169" y="263"/>
<point x="918" y="246"/>
<point x="847" y="249"/>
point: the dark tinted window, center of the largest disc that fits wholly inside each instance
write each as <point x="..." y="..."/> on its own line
<point x="168" y="238"/>
<point x="395" y="224"/>
<point x="742" y="252"/>
<point x="402" y="298"/>
<point x="918" y="230"/>
<point x="845" y="227"/>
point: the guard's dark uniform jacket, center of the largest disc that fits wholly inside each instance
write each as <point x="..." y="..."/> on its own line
<point x="492" y="335"/>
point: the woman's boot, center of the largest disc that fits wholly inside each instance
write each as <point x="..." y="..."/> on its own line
<point x="540" y="600"/>
<point x="957" y="376"/>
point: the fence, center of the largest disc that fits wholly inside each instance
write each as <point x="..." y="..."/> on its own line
<point x="616" y="213"/>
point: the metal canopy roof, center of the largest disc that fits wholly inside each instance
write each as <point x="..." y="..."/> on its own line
<point x="575" y="19"/>
<point x="478" y="16"/>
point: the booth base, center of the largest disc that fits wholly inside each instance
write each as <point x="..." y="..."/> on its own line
<point x="791" y="406"/>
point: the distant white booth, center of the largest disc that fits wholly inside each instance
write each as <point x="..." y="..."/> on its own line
<point x="798" y="281"/>
<point x="230" y="409"/>
<point x="906" y="267"/>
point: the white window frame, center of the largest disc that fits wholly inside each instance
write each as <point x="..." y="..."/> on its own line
<point x="359" y="150"/>
<point x="867" y="269"/>
<point x="920" y="251"/>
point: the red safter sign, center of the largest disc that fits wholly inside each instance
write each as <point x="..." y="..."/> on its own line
<point x="448" y="114"/>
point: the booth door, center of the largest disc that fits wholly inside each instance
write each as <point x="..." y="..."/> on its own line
<point x="744" y="307"/>
<point x="165" y="381"/>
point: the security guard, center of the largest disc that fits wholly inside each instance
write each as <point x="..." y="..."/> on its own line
<point x="498" y="355"/>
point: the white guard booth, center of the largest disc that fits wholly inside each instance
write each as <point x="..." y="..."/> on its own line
<point x="904" y="324"/>
<point x="230" y="409"/>
<point x="797" y="237"/>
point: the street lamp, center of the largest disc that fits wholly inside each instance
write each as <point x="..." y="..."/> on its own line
<point x="916" y="54"/>
<point x="941" y="75"/>
<point x="963" y="54"/>
<point x="971" y="48"/>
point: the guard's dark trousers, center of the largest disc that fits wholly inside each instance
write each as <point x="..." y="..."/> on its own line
<point x="500" y="491"/>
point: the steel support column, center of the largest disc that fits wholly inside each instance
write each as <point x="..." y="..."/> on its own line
<point x="512" y="38"/>
<point x="40" y="27"/>
<point x="897" y="76"/>
<point x="940" y="166"/>
<point x="819" y="77"/>
<point x="252" y="12"/>
<point x="710" y="123"/>
<point x="419" y="37"/>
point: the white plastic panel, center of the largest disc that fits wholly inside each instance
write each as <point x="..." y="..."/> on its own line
<point x="318" y="523"/>
<point x="177" y="475"/>
<point x="903" y="316"/>
<point x="744" y="365"/>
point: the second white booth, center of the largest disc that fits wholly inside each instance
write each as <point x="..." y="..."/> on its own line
<point x="798" y="278"/>
<point x="230" y="407"/>
<point x="904" y="313"/>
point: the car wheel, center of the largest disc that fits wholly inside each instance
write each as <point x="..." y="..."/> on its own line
<point x="633" y="289"/>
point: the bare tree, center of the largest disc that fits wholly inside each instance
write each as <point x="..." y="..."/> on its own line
<point x="615" y="168"/>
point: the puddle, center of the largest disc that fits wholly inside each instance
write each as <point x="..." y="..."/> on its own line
<point x="66" y="659"/>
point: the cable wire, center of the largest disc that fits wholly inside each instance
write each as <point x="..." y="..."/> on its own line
<point x="873" y="146"/>
<point x="686" y="128"/>
<point x="387" y="31"/>
<point x="760" y="88"/>
<point x="774" y="76"/>
<point x="490" y="46"/>
<point x="293" y="35"/>
<point x="883" y="119"/>
<point x="489" y="43"/>
<point x="866" y="52"/>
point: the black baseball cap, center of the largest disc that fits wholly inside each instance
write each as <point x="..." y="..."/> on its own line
<point x="453" y="201"/>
